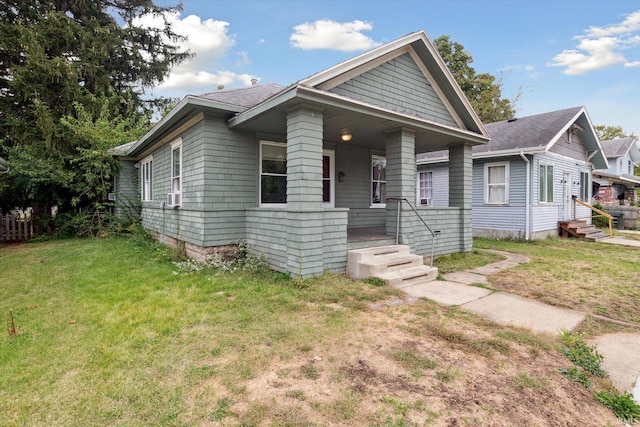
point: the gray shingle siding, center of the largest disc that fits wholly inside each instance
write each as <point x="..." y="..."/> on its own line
<point x="127" y="193"/>
<point x="398" y="85"/>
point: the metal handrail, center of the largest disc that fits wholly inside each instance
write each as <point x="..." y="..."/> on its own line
<point x="433" y="234"/>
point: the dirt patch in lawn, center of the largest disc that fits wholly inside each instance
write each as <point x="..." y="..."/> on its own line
<point x="416" y="364"/>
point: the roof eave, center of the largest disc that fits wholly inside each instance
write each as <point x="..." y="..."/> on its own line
<point x="175" y="115"/>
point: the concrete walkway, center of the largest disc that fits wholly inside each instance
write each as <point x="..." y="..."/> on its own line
<point x="465" y="289"/>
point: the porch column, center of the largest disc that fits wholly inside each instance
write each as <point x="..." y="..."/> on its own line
<point x="305" y="252"/>
<point x="304" y="158"/>
<point x="460" y="190"/>
<point x="401" y="173"/>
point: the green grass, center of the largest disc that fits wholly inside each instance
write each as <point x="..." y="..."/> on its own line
<point x="112" y="326"/>
<point x="596" y="278"/>
<point x="465" y="261"/>
<point x="111" y="332"/>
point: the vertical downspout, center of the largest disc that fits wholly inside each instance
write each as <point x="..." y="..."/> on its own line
<point x="527" y="191"/>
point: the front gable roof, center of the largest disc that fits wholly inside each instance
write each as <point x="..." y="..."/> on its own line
<point x="540" y="132"/>
<point x="371" y="114"/>
<point x="446" y="116"/>
<point x="616" y="148"/>
<point x="412" y="58"/>
<point x="534" y="134"/>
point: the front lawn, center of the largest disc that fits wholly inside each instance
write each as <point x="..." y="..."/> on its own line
<point x="110" y="332"/>
<point x="597" y="278"/>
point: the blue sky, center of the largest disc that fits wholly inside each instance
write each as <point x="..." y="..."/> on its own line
<point x="558" y="54"/>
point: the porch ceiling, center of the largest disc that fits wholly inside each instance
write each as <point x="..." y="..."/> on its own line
<point x="366" y="123"/>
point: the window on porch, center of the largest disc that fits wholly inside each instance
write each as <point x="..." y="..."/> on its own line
<point x="425" y="188"/>
<point x="378" y="181"/>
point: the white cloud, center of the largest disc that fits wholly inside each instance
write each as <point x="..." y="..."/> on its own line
<point x="210" y="41"/>
<point x="631" y="24"/>
<point x="326" y="34"/>
<point x="601" y="47"/>
<point x="244" y="59"/>
<point x="632" y="64"/>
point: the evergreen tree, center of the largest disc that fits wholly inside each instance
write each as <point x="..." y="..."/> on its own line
<point x="63" y="62"/>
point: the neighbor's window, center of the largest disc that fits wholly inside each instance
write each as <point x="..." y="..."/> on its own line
<point x="273" y="173"/>
<point x="176" y="167"/>
<point x="545" y="179"/>
<point x="584" y="186"/>
<point x="496" y="178"/>
<point x="425" y="188"/>
<point x="378" y="180"/>
<point x="146" y="177"/>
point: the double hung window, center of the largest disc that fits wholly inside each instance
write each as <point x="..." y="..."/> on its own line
<point x="496" y="178"/>
<point x="273" y="173"/>
<point x="545" y="183"/>
<point x="146" y="179"/>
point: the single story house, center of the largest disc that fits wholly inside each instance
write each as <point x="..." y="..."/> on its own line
<point x="302" y="172"/>
<point x="525" y="178"/>
<point x="618" y="184"/>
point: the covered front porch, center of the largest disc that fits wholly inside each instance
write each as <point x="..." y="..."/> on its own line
<point x="336" y="191"/>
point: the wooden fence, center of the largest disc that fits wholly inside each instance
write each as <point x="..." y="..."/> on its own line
<point x="15" y="228"/>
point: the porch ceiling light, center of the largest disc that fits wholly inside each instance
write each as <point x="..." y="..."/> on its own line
<point x="346" y="137"/>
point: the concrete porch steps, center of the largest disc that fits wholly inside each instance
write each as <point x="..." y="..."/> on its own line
<point x="394" y="264"/>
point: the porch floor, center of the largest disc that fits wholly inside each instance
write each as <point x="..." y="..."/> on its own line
<point x="366" y="234"/>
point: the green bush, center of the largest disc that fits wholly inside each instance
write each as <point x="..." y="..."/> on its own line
<point x="580" y="353"/>
<point x="600" y="221"/>
<point x="621" y="404"/>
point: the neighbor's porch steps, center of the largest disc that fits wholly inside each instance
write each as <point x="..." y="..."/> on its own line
<point x="394" y="264"/>
<point x="580" y="228"/>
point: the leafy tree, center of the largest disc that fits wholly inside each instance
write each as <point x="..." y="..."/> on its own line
<point x="484" y="91"/>
<point x="607" y="133"/>
<point x="65" y="64"/>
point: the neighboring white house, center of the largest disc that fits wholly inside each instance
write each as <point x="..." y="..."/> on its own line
<point x="618" y="184"/>
<point x="526" y="177"/>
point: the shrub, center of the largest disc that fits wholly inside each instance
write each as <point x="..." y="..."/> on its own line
<point x="621" y="404"/>
<point x="600" y="221"/>
<point x="583" y="355"/>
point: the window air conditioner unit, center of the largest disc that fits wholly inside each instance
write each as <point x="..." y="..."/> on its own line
<point x="425" y="201"/>
<point x="111" y="197"/>
<point x="173" y="200"/>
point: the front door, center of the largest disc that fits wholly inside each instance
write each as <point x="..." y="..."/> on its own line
<point x="567" y="196"/>
<point x="328" y="179"/>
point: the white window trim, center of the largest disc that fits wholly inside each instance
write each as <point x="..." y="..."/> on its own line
<point x="372" y="157"/>
<point x="332" y="178"/>
<point x="553" y="189"/>
<point x="587" y="186"/>
<point x="144" y="164"/>
<point x="506" y="183"/>
<point x="260" y="204"/>
<point x="418" y="198"/>
<point x="174" y="145"/>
